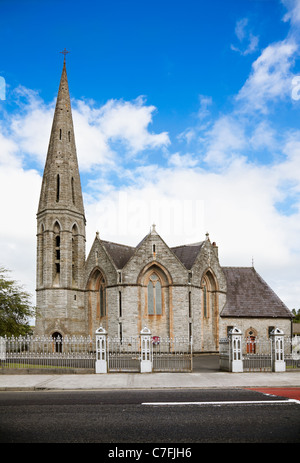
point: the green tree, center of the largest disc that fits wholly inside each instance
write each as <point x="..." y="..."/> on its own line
<point x="296" y="313"/>
<point x="15" y="307"/>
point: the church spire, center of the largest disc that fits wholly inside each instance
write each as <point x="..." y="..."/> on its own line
<point x="60" y="225"/>
<point x="61" y="188"/>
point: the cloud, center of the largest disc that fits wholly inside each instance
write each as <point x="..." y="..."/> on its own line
<point x="271" y="77"/>
<point x="224" y="141"/>
<point x="129" y="122"/>
<point x="245" y="37"/>
<point x="293" y="13"/>
<point x="251" y="209"/>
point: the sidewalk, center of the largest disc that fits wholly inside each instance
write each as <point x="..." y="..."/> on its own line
<point x="216" y="379"/>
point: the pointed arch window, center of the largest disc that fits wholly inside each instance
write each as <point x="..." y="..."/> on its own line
<point x="154" y="295"/>
<point x="56" y="259"/>
<point x="57" y="187"/>
<point x="205" y="301"/>
<point x="102" y="294"/>
<point x="73" y="191"/>
<point x="209" y="295"/>
<point x="74" y="255"/>
<point x="41" y="244"/>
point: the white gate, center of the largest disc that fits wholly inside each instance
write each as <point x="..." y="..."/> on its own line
<point x="257" y="354"/>
<point x="123" y="354"/>
<point x="172" y="354"/>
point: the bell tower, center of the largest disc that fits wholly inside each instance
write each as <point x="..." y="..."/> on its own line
<point x="61" y="228"/>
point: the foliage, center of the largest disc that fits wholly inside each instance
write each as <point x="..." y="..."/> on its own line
<point x="296" y="314"/>
<point x="15" y="307"/>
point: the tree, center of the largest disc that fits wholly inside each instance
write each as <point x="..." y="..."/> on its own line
<point x="296" y="314"/>
<point x="15" y="307"/>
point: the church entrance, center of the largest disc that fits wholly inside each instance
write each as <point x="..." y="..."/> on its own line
<point x="57" y="342"/>
<point x="206" y="363"/>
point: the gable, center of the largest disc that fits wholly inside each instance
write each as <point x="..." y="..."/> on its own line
<point x="153" y="250"/>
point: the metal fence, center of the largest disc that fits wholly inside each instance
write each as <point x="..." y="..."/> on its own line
<point x="292" y="352"/>
<point x="30" y="352"/>
<point x="257" y="353"/>
<point x="172" y="354"/>
<point x="123" y="354"/>
<point x="78" y="352"/>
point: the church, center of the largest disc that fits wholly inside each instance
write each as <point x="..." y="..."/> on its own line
<point x="173" y="291"/>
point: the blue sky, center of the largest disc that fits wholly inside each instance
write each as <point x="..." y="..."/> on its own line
<point x="186" y="114"/>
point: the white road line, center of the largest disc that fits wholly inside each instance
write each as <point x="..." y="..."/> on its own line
<point x="234" y="402"/>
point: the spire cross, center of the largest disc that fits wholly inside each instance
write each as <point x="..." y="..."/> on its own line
<point x="64" y="52"/>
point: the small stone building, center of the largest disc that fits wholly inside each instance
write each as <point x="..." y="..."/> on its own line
<point x="174" y="291"/>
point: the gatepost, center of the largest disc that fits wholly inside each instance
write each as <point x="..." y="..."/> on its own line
<point x="101" y="361"/>
<point x="146" y="354"/>
<point x="278" y="363"/>
<point x="2" y="349"/>
<point x="235" y="351"/>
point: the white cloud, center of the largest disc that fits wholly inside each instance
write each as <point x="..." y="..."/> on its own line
<point x="271" y="77"/>
<point x="235" y="200"/>
<point x="184" y="161"/>
<point x="245" y="38"/>
<point x="19" y="193"/>
<point x="129" y="122"/>
<point x="293" y="13"/>
<point x="264" y="136"/>
<point x="224" y="141"/>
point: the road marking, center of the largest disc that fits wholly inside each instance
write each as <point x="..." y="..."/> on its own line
<point x="230" y="402"/>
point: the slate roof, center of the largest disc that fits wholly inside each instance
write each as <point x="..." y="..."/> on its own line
<point x="187" y="253"/>
<point x="119" y="253"/>
<point x="248" y="295"/>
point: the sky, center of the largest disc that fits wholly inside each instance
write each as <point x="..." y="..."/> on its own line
<point x="186" y="115"/>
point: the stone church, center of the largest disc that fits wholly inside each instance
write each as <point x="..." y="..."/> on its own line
<point x="174" y="291"/>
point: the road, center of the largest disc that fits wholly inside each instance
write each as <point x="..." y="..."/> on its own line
<point x="172" y="417"/>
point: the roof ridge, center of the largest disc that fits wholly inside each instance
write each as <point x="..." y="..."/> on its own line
<point x="185" y="245"/>
<point x="118" y="244"/>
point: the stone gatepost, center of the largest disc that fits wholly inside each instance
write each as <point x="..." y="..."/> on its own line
<point x="2" y="349"/>
<point x="235" y="350"/>
<point x="101" y="360"/>
<point x="146" y="353"/>
<point x="278" y="363"/>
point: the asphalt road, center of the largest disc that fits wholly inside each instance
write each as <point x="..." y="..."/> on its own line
<point x="133" y="416"/>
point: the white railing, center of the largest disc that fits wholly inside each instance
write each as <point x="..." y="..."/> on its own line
<point x="144" y="353"/>
<point x="276" y="353"/>
<point x="123" y="354"/>
<point x="43" y="352"/>
<point x="172" y="354"/>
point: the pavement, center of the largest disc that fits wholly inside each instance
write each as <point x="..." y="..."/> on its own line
<point x="205" y="379"/>
<point x="206" y="374"/>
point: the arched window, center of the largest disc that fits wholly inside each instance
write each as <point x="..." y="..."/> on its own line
<point x="205" y="305"/>
<point x="73" y="191"/>
<point x="102" y="298"/>
<point x="56" y="257"/>
<point x="209" y="288"/>
<point x="74" y="255"/>
<point x="154" y="295"/>
<point x="57" y="341"/>
<point x="41" y="244"/>
<point x="57" y="187"/>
